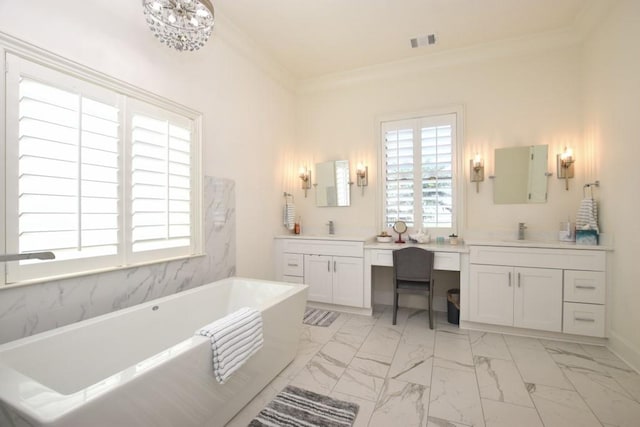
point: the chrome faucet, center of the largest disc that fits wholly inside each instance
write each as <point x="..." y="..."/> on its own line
<point x="521" y="228"/>
<point x="332" y="229"/>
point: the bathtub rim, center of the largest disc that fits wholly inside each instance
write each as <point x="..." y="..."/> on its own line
<point x="57" y="405"/>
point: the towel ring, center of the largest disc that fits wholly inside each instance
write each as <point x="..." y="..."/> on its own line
<point x="590" y="187"/>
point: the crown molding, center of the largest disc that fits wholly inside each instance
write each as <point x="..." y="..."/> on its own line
<point x="499" y="49"/>
<point x="574" y="34"/>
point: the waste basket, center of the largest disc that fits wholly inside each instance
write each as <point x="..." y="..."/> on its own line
<point x="453" y="306"/>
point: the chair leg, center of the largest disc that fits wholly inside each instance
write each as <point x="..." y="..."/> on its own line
<point x="395" y="307"/>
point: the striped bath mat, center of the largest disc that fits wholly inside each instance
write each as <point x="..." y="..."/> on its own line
<point x="295" y="407"/>
<point x="317" y="317"/>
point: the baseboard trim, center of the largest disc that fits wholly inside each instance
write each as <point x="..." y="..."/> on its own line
<point x="624" y="350"/>
<point x="533" y="333"/>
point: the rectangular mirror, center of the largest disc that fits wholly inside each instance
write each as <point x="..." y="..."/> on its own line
<point x="332" y="184"/>
<point x="520" y="175"/>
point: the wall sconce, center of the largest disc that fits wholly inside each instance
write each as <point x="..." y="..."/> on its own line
<point x="477" y="171"/>
<point x="362" y="174"/>
<point x="565" y="166"/>
<point x="305" y="176"/>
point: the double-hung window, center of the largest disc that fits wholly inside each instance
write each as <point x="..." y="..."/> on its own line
<point x="99" y="176"/>
<point x="419" y="172"/>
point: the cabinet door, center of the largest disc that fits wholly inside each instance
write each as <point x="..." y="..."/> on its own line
<point x="318" y="271"/>
<point x="538" y="299"/>
<point x="491" y="294"/>
<point x="348" y="281"/>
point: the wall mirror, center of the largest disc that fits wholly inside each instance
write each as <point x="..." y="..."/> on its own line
<point x="332" y="184"/>
<point x="520" y="175"/>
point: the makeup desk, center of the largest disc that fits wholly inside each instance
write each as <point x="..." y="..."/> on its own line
<point x="447" y="258"/>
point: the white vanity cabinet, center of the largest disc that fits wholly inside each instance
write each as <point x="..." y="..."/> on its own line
<point x="550" y="289"/>
<point x="516" y="296"/>
<point x="333" y="268"/>
<point x="335" y="280"/>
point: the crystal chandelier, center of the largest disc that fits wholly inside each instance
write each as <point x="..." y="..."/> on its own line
<point x="181" y="24"/>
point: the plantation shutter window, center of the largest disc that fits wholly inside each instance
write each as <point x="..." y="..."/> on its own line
<point x="67" y="172"/>
<point x="101" y="179"/>
<point x="419" y="173"/>
<point x="399" y="182"/>
<point x="160" y="180"/>
<point x="437" y="175"/>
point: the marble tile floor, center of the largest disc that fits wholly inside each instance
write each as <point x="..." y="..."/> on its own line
<point x="408" y="375"/>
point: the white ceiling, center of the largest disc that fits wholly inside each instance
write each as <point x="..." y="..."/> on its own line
<point x="311" y="38"/>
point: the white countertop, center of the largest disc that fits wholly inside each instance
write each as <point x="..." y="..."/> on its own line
<point x="444" y="247"/>
<point x="371" y="243"/>
<point x="323" y="237"/>
<point x="548" y="244"/>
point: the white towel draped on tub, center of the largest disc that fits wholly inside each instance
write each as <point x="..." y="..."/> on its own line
<point x="234" y="339"/>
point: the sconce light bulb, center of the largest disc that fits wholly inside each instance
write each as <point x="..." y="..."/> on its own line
<point x="477" y="161"/>
<point x="302" y="173"/>
<point x="567" y="155"/>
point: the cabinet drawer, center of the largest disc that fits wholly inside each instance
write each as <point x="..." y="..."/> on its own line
<point x="293" y="279"/>
<point x="293" y="264"/>
<point x="330" y="247"/>
<point x="584" y="286"/>
<point x="382" y="257"/>
<point x="583" y="319"/>
<point x="573" y="259"/>
<point x="446" y="261"/>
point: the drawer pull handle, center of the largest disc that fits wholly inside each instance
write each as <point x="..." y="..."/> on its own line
<point x="584" y="287"/>
<point x="584" y="319"/>
<point x="509" y="279"/>
<point x="334" y="266"/>
<point x="292" y="265"/>
<point x="518" y="279"/>
<point x="329" y="266"/>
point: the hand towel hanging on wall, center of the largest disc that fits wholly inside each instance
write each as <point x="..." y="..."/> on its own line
<point x="587" y="217"/>
<point x="289" y="212"/>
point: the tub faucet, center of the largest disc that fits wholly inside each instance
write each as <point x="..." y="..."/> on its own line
<point x="521" y="228"/>
<point x="332" y="229"/>
<point x="27" y="255"/>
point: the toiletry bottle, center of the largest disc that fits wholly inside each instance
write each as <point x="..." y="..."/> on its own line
<point x="296" y="226"/>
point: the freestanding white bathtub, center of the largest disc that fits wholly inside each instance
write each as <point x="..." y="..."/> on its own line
<point x="143" y="366"/>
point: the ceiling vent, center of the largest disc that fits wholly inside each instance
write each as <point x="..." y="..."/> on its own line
<point x="428" y="40"/>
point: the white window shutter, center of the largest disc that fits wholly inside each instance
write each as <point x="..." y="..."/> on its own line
<point x="161" y="177"/>
<point x="437" y="175"/>
<point x="100" y="188"/>
<point x="418" y="167"/>
<point x="399" y="182"/>
<point x="62" y="171"/>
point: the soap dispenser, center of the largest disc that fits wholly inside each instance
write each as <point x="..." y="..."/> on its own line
<point x="521" y="228"/>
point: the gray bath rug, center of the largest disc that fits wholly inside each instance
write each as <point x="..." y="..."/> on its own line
<point x="317" y="317"/>
<point x="295" y="407"/>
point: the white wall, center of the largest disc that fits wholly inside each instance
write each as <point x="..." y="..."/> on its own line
<point x="248" y="114"/>
<point x="612" y="99"/>
<point x="524" y="98"/>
